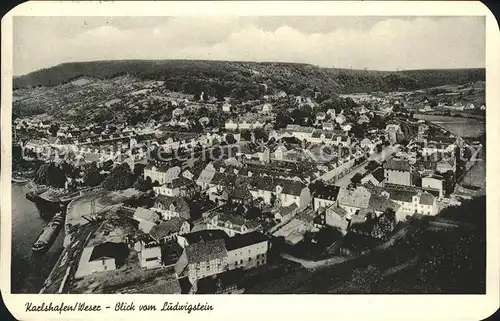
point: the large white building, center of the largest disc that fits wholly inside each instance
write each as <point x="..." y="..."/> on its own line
<point x="413" y="201"/>
<point x="162" y="174"/>
<point x="398" y="171"/>
<point x="247" y="251"/>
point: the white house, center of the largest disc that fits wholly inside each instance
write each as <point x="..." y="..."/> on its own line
<point x="267" y="108"/>
<point x="340" y="119"/>
<point x="232" y="224"/>
<point x="231" y="125"/>
<point x="366" y="144"/>
<point x="177" y="112"/>
<point x="103" y="257"/>
<point x="470" y="106"/>
<point x="183" y="122"/>
<point x="247" y="251"/>
<point x="146" y="218"/>
<point x="149" y="254"/>
<point x="413" y="202"/>
<point x="331" y="113"/>
<point x="162" y="174"/>
<point x="170" y="207"/>
<point x="226" y="107"/>
<point x="336" y="217"/>
<point x="328" y="126"/>
<point x="280" y="152"/>
<point x="434" y="184"/>
<point x="320" y="116"/>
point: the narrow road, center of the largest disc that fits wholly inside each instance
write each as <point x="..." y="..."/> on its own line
<point x="379" y="157"/>
<point x="314" y="264"/>
<point x="308" y="264"/>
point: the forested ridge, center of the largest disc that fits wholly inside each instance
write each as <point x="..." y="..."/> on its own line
<point x="246" y="80"/>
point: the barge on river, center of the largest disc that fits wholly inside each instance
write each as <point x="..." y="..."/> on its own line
<point x="49" y="234"/>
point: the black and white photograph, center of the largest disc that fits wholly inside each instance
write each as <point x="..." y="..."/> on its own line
<point x="233" y="154"/>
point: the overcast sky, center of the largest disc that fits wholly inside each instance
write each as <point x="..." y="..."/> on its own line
<point x="383" y="43"/>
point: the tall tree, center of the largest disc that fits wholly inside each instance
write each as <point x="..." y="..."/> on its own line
<point x="356" y="179"/>
<point x="54" y="128"/>
<point x="246" y="135"/>
<point x="91" y="175"/>
<point x="119" y="179"/>
<point x="230" y="139"/>
<point x="261" y="134"/>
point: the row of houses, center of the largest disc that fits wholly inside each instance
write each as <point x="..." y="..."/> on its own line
<point x="340" y="206"/>
<point x="204" y="253"/>
<point x="244" y="189"/>
<point x="244" y="124"/>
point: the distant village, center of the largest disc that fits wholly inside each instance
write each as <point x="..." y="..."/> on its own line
<point x="213" y="193"/>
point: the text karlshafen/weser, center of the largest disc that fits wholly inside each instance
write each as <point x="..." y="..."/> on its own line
<point x="62" y="307"/>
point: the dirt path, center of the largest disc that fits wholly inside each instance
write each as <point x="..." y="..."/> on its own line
<point x="309" y="264"/>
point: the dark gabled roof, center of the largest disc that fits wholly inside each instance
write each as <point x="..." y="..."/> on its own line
<point x="180" y="204"/>
<point x="205" y="235"/>
<point x="291" y="140"/>
<point x="243" y="240"/>
<point x="291" y="187"/>
<point x="233" y="218"/>
<point x="329" y="192"/>
<point x="378" y="174"/>
<point x="434" y="176"/>
<point x="167" y="228"/>
<point x="381" y="203"/>
<point x="426" y="199"/>
<point x="179" y="182"/>
<point x="205" y="251"/>
<point x="241" y="191"/>
<point x="337" y="210"/>
<point x="317" y="134"/>
<point x="445" y="140"/>
<point x="224" y="179"/>
<point x="397" y="164"/>
<point x="118" y="251"/>
<point x="401" y="195"/>
<point x="287" y="210"/>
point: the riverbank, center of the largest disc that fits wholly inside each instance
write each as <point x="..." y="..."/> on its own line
<point x="29" y="270"/>
<point x="85" y="215"/>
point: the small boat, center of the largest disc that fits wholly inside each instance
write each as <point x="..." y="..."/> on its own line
<point x="49" y="233"/>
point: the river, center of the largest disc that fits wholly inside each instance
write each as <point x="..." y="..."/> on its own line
<point x="29" y="271"/>
<point x="463" y="127"/>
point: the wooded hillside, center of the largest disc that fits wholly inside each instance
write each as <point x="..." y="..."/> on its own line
<point x="247" y="80"/>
